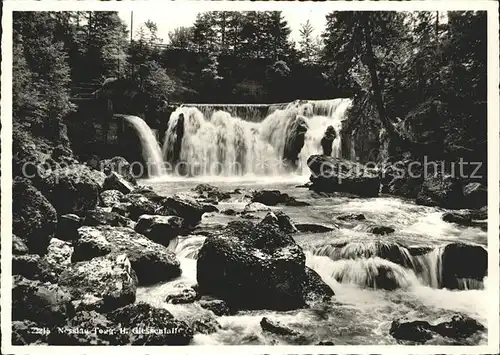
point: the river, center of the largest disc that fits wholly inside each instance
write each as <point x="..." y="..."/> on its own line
<point x="357" y="314"/>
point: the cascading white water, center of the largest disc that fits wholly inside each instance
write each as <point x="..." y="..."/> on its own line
<point x="226" y="145"/>
<point x="374" y="272"/>
<point x="151" y="150"/>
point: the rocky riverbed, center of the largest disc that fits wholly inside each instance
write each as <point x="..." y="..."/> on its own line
<point x="99" y="258"/>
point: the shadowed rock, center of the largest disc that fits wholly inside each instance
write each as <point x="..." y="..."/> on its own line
<point x="337" y="175"/>
<point x="34" y="219"/>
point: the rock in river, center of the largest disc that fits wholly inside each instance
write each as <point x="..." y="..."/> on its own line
<point x="256" y="267"/>
<point x="338" y="175"/>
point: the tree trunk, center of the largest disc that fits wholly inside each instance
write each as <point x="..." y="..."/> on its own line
<point x="398" y="144"/>
<point x="372" y="68"/>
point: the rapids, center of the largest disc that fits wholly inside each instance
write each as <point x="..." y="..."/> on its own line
<point x="355" y="263"/>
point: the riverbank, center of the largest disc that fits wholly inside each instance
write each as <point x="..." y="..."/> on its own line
<point x="111" y="261"/>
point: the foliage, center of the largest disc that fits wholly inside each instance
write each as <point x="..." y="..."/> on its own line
<point x="41" y="94"/>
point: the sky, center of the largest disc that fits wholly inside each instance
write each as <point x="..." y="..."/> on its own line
<point x="166" y="22"/>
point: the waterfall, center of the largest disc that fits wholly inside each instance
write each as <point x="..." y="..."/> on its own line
<point x="214" y="140"/>
<point x="427" y="266"/>
<point x="151" y="150"/>
<point x="375" y="273"/>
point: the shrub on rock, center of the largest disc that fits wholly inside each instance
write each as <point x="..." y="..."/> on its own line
<point x="34" y="219"/>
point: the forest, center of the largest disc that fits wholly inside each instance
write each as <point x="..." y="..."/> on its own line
<point x="418" y="76"/>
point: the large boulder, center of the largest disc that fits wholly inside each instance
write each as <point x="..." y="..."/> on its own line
<point x="109" y="282"/>
<point x="186" y="295"/>
<point x="338" y="175"/>
<point x="159" y="325"/>
<point x="34" y="219"/>
<point x="441" y="190"/>
<point x="459" y="326"/>
<point x="118" y="165"/>
<point x="255" y="267"/>
<point x="184" y="206"/>
<point x="463" y="261"/>
<point x="73" y="189"/>
<point x="160" y="229"/>
<point x="151" y="262"/>
<point x="462" y="218"/>
<point x="115" y="181"/>
<point x="475" y="195"/>
<point x="91" y="243"/>
<point x="46" y="304"/>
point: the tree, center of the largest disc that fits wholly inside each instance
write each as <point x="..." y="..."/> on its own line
<point x="308" y="45"/>
<point x="367" y="34"/>
<point x="103" y="45"/>
<point x="41" y="70"/>
<point x="181" y="37"/>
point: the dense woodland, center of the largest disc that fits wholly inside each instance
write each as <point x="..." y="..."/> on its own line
<point x="419" y="77"/>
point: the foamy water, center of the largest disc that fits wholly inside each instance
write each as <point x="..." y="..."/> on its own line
<point x="358" y="313"/>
